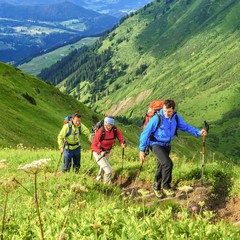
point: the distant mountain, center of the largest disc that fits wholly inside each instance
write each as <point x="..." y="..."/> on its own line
<point x="116" y="8"/>
<point x="25" y="29"/>
<point x="186" y="50"/>
<point x="46" y="12"/>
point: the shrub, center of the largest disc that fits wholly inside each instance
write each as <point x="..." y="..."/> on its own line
<point x="29" y="98"/>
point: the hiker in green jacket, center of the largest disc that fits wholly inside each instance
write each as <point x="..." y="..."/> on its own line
<point x="69" y="142"/>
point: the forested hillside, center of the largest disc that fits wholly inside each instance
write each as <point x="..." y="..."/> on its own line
<point x="186" y="50"/>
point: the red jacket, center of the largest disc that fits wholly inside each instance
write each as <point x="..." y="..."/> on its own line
<point x="98" y="146"/>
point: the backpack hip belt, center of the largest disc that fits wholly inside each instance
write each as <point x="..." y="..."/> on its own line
<point x="73" y="144"/>
<point x="103" y="149"/>
<point x="153" y="139"/>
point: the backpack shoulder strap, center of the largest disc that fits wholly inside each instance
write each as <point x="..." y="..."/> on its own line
<point x="159" y="122"/>
<point x="80" y="129"/>
<point x="70" y="128"/>
<point x="115" y="131"/>
<point x="103" y="133"/>
<point x="176" y="118"/>
<point x="158" y="125"/>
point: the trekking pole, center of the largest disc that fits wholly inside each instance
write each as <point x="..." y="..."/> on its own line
<point x="59" y="160"/>
<point x="146" y="153"/>
<point x="206" y="127"/>
<point x="91" y="155"/>
<point x="137" y="178"/>
<point x="96" y="162"/>
<point x="122" y="160"/>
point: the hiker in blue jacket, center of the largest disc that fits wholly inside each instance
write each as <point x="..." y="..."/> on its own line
<point x="159" y="139"/>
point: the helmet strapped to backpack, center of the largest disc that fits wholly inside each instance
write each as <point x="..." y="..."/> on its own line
<point x="98" y="125"/>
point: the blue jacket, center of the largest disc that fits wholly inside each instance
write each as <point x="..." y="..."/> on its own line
<point x="164" y="134"/>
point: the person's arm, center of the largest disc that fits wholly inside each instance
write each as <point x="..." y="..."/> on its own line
<point x="183" y="126"/>
<point x="61" y="136"/>
<point x="85" y="131"/>
<point x="120" y="138"/>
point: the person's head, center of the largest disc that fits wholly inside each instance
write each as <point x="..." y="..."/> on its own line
<point x="168" y="108"/>
<point x="108" y="123"/>
<point x="76" y="119"/>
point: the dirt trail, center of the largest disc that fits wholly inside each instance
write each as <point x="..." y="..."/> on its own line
<point x="216" y="201"/>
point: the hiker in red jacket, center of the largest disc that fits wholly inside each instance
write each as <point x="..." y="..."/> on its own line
<point x="101" y="148"/>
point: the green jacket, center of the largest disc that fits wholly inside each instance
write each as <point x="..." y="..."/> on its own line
<point x="73" y="138"/>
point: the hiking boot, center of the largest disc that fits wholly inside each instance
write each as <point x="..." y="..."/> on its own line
<point x="158" y="193"/>
<point x="169" y="192"/>
<point x="99" y="178"/>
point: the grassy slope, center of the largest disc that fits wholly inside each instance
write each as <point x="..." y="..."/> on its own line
<point x="35" y="66"/>
<point x="38" y="125"/>
<point x="193" y="56"/>
<point x="119" y="216"/>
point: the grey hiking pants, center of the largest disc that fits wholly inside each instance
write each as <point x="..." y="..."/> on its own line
<point x="164" y="166"/>
<point x="105" y="171"/>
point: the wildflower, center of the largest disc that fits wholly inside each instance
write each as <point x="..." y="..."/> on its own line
<point x="179" y="214"/>
<point x="58" y="186"/>
<point x="184" y="203"/>
<point x="12" y="179"/>
<point x="79" y="188"/>
<point x="189" y="194"/>
<point x="149" y="204"/>
<point x="8" y="185"/>
<point x="62" y="236"/>
<point x="201" y="203"/>
<point x="34" y="165"/>
<point x="96" y="226"/>
<point x="186" y="189"/>
<point x="194" y="208"/>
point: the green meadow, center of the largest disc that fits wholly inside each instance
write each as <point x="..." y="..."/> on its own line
<point x="35" y="66"/>
<point x="43" y="203"/>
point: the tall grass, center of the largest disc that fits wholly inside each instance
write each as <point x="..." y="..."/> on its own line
<point x="76" y="207"/>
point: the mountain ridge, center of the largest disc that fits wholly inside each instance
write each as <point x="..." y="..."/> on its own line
<point x="185" y="50"/>
<point x="45" y="12"/>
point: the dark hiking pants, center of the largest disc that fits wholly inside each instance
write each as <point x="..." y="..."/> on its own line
<point x="68" y="156"/>
<point x="164" y="166"/>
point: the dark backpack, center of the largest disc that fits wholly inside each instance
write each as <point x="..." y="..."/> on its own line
<point x="154" y="109"/>
<point x="68" y="120"/>
<point x="98" y="125"/>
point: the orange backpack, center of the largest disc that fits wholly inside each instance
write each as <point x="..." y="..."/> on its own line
<point x="154" y="108"/>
